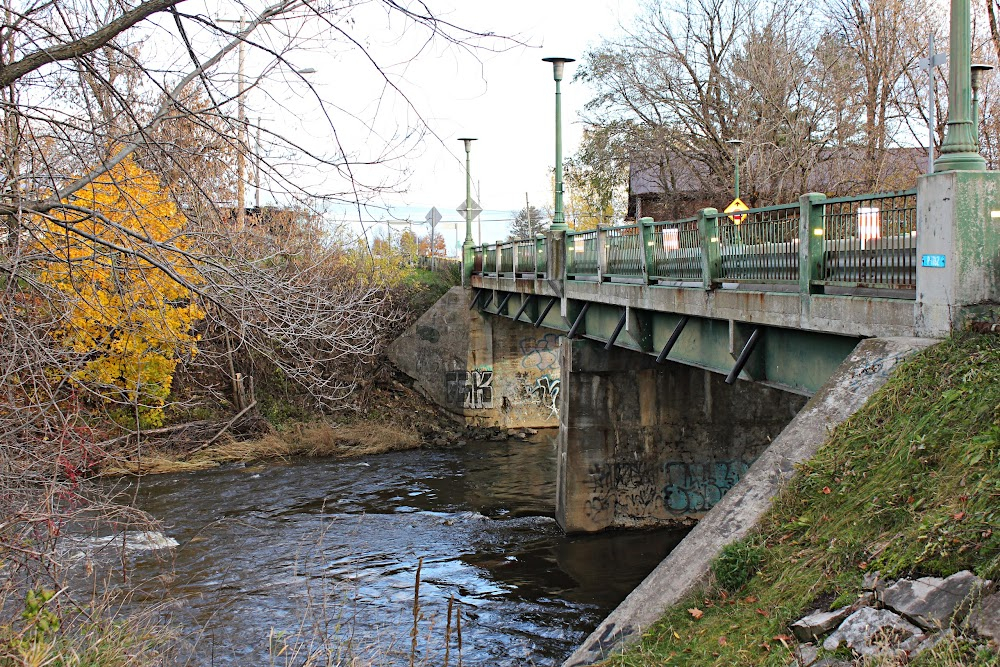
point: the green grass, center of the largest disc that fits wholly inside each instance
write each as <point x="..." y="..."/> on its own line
<point x="909" y="485"/>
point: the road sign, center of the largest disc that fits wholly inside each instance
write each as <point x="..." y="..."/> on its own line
<point x="735" y="207"/>
<point x="475" y="209"/>
<point x="433" y="216"/>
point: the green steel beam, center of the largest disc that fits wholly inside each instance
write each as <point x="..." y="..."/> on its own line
<point x="793" y="360"/>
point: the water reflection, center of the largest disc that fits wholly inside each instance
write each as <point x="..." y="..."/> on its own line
<point x="328" y="548"/>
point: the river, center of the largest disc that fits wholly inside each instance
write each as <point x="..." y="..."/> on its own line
<point x="322" y="554"/>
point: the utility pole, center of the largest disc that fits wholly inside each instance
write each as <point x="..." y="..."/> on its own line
<point x="242" y="122"/>
<point x="932" y="60"/>
<point x="527" y="210"/>
<point x="256" y="176"/>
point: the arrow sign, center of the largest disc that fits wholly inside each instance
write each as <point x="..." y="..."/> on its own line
<point x="433" y="216"/>
<point x="475" y="209"/>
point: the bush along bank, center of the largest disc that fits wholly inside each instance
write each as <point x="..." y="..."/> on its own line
<point x="908" y="488"/>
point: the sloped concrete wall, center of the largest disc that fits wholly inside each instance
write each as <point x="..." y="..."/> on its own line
<point x="864" y="372"/>
<point x="487" y="371"/>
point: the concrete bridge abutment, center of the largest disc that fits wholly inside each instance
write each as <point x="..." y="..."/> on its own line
<point x="643" y="444"/>
<point x="487" y="371"/>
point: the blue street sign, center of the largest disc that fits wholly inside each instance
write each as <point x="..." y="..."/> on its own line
<point x="932" y="261"/>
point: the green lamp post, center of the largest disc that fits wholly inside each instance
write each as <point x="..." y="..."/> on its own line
<point x="736" y="143"/>
<point x="960" y="150"/>
<point x="558" y="218"/>
<point x="467" y="252"/>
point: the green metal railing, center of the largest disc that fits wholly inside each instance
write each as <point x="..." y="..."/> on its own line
<point x="871" y="241"/>
<point x="818" y="243"/>
<point x="674" y="250"/>
<point x="506" y="259"/>
<point x="581" y="254"/>
<point x="761" y="245"/>
<point x="623" y="251"/>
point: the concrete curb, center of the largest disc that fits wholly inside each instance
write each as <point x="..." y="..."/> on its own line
<point x="860" y="376"/>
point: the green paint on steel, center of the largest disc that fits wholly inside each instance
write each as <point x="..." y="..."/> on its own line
<point x="798" y="361"/>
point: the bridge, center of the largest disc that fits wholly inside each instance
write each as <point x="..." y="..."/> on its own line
<point x="671" y="353"/>
<point x="780" y="296"/>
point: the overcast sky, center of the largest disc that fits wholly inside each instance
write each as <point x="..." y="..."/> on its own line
<point x="505" y="100"/>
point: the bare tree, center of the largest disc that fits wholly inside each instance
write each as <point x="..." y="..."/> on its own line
<point x="88" y="88"/>
<point x="800" y="85"/>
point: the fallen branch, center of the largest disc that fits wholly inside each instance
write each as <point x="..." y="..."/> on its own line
<point x="225" y="428"/>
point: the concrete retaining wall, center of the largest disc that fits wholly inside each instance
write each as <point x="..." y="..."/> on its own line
<point x="734" y="516"/>
<point x="488" y="371"/>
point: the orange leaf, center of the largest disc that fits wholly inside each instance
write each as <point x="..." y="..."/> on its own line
<point x="959" y="516"/>
<point x="696" y="613"/>
<point x="763" y="613"/>
<point x="826" y="490"/>
<point x="722" y="640"/>
<point x="750" y="599"/>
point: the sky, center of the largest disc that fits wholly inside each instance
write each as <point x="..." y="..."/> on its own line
<point x="504" y="99"/>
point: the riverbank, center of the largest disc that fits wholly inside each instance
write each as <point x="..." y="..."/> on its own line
<point x="407" y="420"/>
<point x="907" y="487"/>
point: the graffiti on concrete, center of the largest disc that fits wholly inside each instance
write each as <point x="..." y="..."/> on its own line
<point x="697" y="487"/>
<point x="627" y="486"/>
<point x="471" y="389"/>
<point x="546" y="392"/>
<point x="430" y="334"/>
<point x="638" y="488"/>
<point x="600" y="481"/>
<point x="541" y="354"/>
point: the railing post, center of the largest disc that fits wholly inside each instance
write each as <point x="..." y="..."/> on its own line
<point x="812" y="242"/>
<point x="498" y="266"/>
<point x="514" y="253"/>
<point x="539" y="250"/>
<point x="708" y="234"/>
<point x="602" y="253"/>
<point x="646" y="233"/>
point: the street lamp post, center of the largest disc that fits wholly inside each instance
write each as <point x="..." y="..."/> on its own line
<point x="558" y="218"/>
<point x="736" y="143"/>
<point x="467" y="253"/>
<point x="978" y="70"/>
<point x="960" y="149"/>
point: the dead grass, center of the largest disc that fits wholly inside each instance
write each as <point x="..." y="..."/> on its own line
<point x="314" y="439"/>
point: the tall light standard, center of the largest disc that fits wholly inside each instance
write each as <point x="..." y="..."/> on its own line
<point x="467" y="254"/>
<point x="960" y="150"/>
<point x="736" y="143"/>
<point x="558" y="218"/>
<point x="978" y="70"/>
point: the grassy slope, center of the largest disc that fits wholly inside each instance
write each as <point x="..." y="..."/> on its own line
<point x="908" y="485"/>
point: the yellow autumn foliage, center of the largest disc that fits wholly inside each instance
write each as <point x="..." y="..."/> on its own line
<point x="129" y="319"/>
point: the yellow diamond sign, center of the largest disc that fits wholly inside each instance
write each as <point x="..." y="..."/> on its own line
<point x="733" y="211"/>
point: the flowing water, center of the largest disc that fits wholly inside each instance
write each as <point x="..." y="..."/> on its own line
<point x="326" y="551"/>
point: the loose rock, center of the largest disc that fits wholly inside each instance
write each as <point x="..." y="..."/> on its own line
<point x="819" y="623"/>
<point x="985" y="618"/>
<point x="933" y="603"/>
<point x="870" y="632"/>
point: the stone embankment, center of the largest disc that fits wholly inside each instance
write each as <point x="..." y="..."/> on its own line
<point x="901" y="619"/>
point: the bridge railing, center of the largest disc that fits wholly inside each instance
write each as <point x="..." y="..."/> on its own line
<point x="582" y="256"/>
<point x="520" y="258"/>
<point x="871" y="241"/>
<point x="816" y="244"/>
<point x="674" y="250"/>
<point x="759" y="246"/>
<point x="506" y="253"/>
